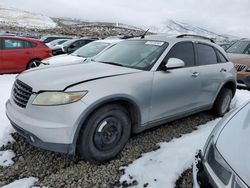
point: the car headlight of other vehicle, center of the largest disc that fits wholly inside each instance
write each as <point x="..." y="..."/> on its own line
<point x="58" y="98"/>
<point x="218" y="164"/>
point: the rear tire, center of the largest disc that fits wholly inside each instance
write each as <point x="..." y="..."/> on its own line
<point x="105" y="133"/>
<point x="222" y="102"/>
<point x="33" y="63"/>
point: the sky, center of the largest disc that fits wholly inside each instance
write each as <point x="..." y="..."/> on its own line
<point x="221" y="16"/>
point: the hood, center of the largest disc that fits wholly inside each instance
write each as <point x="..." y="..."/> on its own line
<point x="57" y="47"/>
<point x="233" y="143"/>
<point x="64" y="59"/>
<point x="239" y="58"/>
<point x="48" y="78"/>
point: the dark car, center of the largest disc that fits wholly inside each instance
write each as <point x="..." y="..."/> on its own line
<point x="70" y="46"/>
<point x="18" y="53"/>
<point x="47" y="39"/>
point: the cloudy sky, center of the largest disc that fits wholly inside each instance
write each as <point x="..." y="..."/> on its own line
<point x="221" y="16"/>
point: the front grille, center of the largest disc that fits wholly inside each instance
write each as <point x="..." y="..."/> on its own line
<point x="240" y="67"/>
<point x="21" y="93"/>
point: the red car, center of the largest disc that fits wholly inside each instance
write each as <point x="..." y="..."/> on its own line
<point x="18" y="54"/>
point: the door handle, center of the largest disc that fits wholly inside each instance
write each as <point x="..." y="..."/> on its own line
<point x="223" y="70"/>
<point x="195" y="74"/>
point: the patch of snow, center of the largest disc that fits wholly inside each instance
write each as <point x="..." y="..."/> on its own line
<point x="6" y="158"/>
<point x="161" y="168"/>
<point x="6" y="82"/>
<point x="15" y="17"/>
<point x="22" y="183"/>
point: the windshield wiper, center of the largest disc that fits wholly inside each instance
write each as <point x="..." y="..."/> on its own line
<point x="110" y="63"/>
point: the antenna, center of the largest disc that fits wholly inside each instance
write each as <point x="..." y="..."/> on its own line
<point x="144" y="34"/>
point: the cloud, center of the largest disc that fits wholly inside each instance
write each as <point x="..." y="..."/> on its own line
<point x="221" y="16"/>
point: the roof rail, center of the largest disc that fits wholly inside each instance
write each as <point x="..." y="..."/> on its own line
<point x="196" y="36"/>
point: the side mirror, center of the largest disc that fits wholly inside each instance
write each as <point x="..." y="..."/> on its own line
<point x="174" y="63"/>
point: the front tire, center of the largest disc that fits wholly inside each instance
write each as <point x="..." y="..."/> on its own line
<point x="222" y="102"/>
<point x="105" y="133"/>
<point x="33" y="63"/>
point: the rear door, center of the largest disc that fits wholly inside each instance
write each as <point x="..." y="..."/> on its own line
<point x="16" y="55"/>
<point x="175" y="91"/>
<point x="211" y="72"/>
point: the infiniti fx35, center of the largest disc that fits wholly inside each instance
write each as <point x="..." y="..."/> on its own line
<point x="136" y="84"/>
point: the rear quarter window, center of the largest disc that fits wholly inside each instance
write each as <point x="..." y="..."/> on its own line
<point x="206" y="54"/>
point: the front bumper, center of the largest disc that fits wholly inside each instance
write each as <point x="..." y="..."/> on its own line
<point x="48" y="127"/>
<point x="243" y="79"/>
<point x="35" y="141"/>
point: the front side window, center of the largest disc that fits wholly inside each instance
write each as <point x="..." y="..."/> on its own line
<point x="238" y="47"/>
<point x="139" y="54"/>
<point x="206" y="54"/>
<point x="13" y="44"/>
<point x="183" y="51"/>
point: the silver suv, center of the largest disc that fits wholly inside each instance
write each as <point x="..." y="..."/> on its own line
<point x="137" y="84"/>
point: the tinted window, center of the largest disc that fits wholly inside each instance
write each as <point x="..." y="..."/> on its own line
<point x="221" y="57"/>
<point x="183" y="51"/>
<point x="206" y="54"/>
<point x="13" y="44"/>
<point x="247" y="50"/>
<point x="28" y="44"/>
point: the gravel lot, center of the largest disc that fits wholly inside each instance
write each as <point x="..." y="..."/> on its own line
<point x="59" y="170"/>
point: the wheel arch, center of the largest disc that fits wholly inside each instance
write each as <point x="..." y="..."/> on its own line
<point x="128" y="104"/>
<point x="27" y="65"/>
<point x="230" y="84"/>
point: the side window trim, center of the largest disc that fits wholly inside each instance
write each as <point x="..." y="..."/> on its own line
<point x="182" y="42"/>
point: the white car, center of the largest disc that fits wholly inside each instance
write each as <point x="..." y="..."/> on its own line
<point x="224" y="161"/>
<point x="80" y="55"/>
<point x="56" y="42"/>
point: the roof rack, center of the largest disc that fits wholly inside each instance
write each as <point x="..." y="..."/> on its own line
<point x="196" y="36"/>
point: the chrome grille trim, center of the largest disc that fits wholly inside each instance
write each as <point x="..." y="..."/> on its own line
<point x="240" y="67"/>
<point x="21" y="93"/>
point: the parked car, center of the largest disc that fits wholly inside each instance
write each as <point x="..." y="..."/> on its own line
<point x="239" y="53"/>
<point x="47" y="39"/>
<point x="18" y="54"/>
<point x="224" y="161"/>
<point x="80" y="55"/>
<point x="225" y="46"/>
<point x="56" y="42"/>
<point x="133" y="86"/>
<point x="70" y="46"/>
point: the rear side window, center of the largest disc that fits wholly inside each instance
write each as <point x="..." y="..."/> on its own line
<point x="221" y="57"/>
<point x="28" y="44"/>
<point x="206" y="54"/>
<point x="13" y="44"/>
<point x="183" y="51"/>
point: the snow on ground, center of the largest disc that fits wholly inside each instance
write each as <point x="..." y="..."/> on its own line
<point x="12" y="16"/>
<point x="161" y="168"/>
<point x="6" y="82"/>
<point x="22" y="183"/>
<point x="6" y="158"/>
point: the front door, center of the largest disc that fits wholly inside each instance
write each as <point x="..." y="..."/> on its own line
<point x="175" y="91"/>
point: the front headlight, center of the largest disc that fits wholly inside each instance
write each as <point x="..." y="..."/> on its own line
<point x="218" y="164"/>
<point x="58" y="98"/>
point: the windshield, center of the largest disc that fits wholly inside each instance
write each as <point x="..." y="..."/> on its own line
<point x="139" y="54"/>
<point x="91" y="49"/>
<point x="238" y="47"/>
